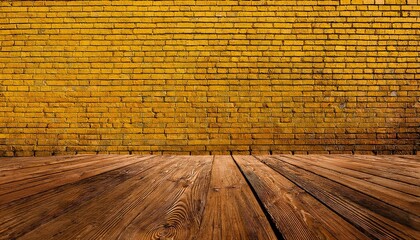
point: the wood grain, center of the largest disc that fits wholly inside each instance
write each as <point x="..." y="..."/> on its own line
<point x="353" y="163"/>
<point x="101" y="214"/>
<point x="232" y="212"/>
<point x="181" y="199"/>
<point x="343" y="168"/>
<point x="28" y="162"/>
<point x="414" y="158"/>
<point x="296" y="213"/>
<point x="21" y="183"/>
<point x="395" y="198"/>
<point x="210" y="197"/>
<point x="409" y="172"/>
<point x="24" y="215"/>
<point x="365" y="212"/>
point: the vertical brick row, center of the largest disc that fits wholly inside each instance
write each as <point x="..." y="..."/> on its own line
<point x="209" y="77"/>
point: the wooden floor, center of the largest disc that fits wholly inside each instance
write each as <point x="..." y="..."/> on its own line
<point x="210" y="197"/>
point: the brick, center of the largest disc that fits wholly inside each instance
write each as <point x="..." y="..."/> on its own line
<point x="143" y="77"/>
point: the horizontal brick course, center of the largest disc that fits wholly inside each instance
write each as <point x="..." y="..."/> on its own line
<point x="209" y="77"/>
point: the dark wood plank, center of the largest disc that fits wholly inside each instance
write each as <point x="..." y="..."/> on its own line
<point x="296" y="213"/>
<point x="146" y="196"/>
<point x="409" y="203"/>
<point x="371" y="216"/>
<point x="24" y="215"/>
<point x="48" y="177"/>
<point x="336" y="164"/>
<point x="232" y="212"/>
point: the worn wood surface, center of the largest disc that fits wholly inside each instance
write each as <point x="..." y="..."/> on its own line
<point x="210" y="197"/>
<point x="372" y="216"/>
<point x="295" y="212"/>
<point x="232" y="212"/>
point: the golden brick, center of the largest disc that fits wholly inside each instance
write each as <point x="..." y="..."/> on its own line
<point x="196" y="77"/>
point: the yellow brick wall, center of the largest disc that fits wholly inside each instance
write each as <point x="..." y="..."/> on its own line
<point x="209" y="77"/>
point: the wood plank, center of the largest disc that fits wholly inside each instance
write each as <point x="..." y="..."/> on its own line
<point x="232" y="212"/>
<point x="334" y="163"/>
<point x="27" y="162"/>
<point x="415" y="158"/>
<point x="296" y="213"/>
<point x="388" y="164"/>
<point x="52" y="177"/>
<point x="107" y="215"/>
<point x="53" y="166"/>
<point x="390" y="161"/>
<point x="383" y="160"/>
<point x="399" y="160"/>
<point x="403" y="160"/>
<point x="180" y="206"/>
<point x="24" y="215"/>
<point x="357" y="208"/>
<point x="409" y="203"/>
<point x="182" y="197"/>
<point x="349" y="162"/>
<point x="89" y="215"/>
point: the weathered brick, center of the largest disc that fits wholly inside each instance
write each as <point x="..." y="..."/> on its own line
<point x="209" y="77"/>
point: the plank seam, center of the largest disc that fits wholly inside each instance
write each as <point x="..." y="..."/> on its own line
<point x="367" y="233"/>
<point x="350" y="187"/>
<point x="207" y="195"/>
<point x="276" y="231"/>
<point x="151" y="157"/>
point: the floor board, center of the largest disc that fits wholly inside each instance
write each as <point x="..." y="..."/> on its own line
<point x="232" y="211"/>
<point x="210" y="197"/>
<point x="297" y="214"/>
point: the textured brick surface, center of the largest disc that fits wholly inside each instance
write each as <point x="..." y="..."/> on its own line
<point x="214" y="77"/>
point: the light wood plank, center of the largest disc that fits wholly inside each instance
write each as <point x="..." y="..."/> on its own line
<point x="357" y="208"/>
<point x="232" y="212"/>
<point x="296" y="213"/>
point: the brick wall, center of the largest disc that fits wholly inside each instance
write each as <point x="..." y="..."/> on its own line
<point x="209" y="77"/>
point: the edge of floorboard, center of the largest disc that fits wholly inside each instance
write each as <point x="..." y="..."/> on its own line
<point x="270" y="219"/>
